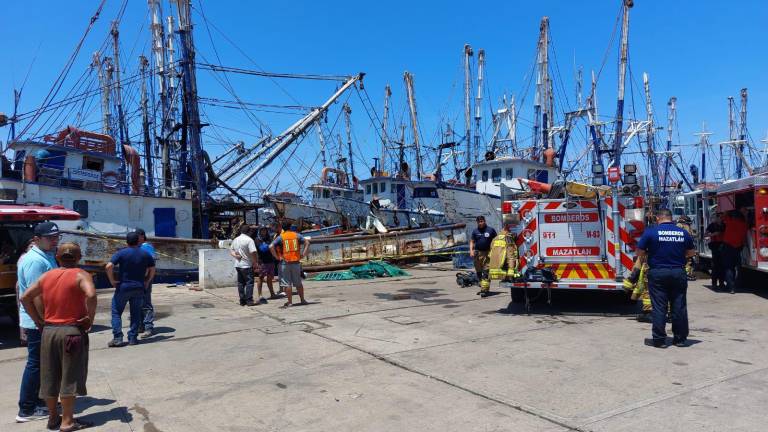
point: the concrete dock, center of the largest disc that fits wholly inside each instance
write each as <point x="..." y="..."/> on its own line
<point x="419" y="353"/>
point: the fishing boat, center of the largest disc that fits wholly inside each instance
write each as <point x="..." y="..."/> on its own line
<point x="334" y="252"/>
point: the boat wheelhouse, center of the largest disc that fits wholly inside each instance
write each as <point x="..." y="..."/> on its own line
<point x="491" y="174"/>
<point x="82" y="171"/>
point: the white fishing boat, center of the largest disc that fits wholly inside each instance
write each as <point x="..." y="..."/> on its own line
<point x="80" y="170"/>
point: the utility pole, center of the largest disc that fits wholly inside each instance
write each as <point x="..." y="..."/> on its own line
<point x="348" y="121"/>
<point x="384" y="126"/>
<point x="121" y="124"/>
<point x="650" y="133"/>
<point x="193" y="115"/>
<point x="143" y="63"/>
<point x="468" y="103"/>
<point x="742" y="133"/>
<point x="414" y="120"/>
<point x="617" y="141"/>
<point x="479" y="100"/>
<point x="166" y="126"/>
<point x="104" y="74"/>
<point x="671" y="112"/>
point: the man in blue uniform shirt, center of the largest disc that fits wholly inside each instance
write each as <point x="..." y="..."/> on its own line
<point x="666" y="247"/>
<point x="147" y="328"/>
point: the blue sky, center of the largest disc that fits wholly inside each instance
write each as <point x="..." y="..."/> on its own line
<point x="701" y="52"/>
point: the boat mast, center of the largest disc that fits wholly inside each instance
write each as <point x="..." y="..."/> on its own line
<point x="731" y="132"/>
<point x="384" y="125"/>
<point x="414" y="120"/>
<point x="279" y="143"/>
<point x="166" y="123"/>
<point x="618" y="133"/>
<point x="401" y="154"/>
<point x="541" y="102"/>
<point x="104" y="73"/>
<point x="671" y="112"/>
<point x="193" y="115"/>
<point x="143" y="63"/>
<point x="593" y="124"/>
<point x="479" y="99"/>
<point x="742" y="133"/>
<point x="321" y="139"/>
<point x="650" y="135"/>
<point x="121" y="124"/>
<point x="579" y="87"/>
<point x="348" y="121"/>
<point x="467" y="103"/>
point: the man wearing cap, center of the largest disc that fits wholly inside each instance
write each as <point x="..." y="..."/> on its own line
<point x="69" y="300"/>
<point x="31" y="266"/>
<point x="136" y="270"/>
<point x="479" y="248"/>
<point x="147" y="310"/>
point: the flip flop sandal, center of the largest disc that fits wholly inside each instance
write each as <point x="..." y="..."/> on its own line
<point x="79" y="425"/>
<point x="303" y="303"/>
<point x="286" y="305"/>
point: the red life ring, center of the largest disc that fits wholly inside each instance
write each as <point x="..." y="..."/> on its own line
<point x="110" y="180"/>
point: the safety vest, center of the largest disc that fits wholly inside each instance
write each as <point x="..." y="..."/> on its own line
<point x="291" y="252"/>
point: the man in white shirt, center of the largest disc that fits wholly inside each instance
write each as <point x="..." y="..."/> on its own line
<point x="243" y="250"/>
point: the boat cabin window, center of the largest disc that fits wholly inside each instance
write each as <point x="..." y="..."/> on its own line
<point x="326" y="193"/>
<point x="81" y="206"/>
<point x="509" y="174"/>
<point x="367" y="189"/>
<point x="485" y="176"/>
<point x="336" y="193"/>
<point x="496" y="175"/>
<point x="424" y="192"/>
<point x="375" y="188"/>
<point x="92" y="163"/>
<point x="383" y="187"/>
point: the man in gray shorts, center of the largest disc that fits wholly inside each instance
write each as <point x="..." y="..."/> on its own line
<point x="69" y="302"/>
<point x="287" y="248"/>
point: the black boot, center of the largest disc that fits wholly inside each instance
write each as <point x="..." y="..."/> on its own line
<point x="644" y="317"/>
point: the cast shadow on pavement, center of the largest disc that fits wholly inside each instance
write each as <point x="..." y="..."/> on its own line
<point x="85" y="402"/>
<point x="573" y="302"/>
<point x="101" y="418"/>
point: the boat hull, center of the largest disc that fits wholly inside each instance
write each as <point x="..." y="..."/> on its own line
<point x="329" y="252"/>
<point x="176" y="261"/>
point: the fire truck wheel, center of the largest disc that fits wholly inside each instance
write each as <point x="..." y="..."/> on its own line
<point x="518" y="295"/>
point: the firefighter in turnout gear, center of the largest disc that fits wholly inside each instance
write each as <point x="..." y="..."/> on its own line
<point x="637" y="284"/>
<point x="479" y="250"/>
<point x="504" y="256"/>
<point x="685" y="222"/>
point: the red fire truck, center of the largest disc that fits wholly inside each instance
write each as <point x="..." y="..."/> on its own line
<point x="16" y="226"/>
<point x="587" y="242"/>
<point x="750" y="195"/>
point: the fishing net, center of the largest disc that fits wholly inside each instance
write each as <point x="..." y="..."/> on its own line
<point x="370" y="270"/>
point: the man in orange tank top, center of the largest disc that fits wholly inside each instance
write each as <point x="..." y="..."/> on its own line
<point x="69" y="302"/>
